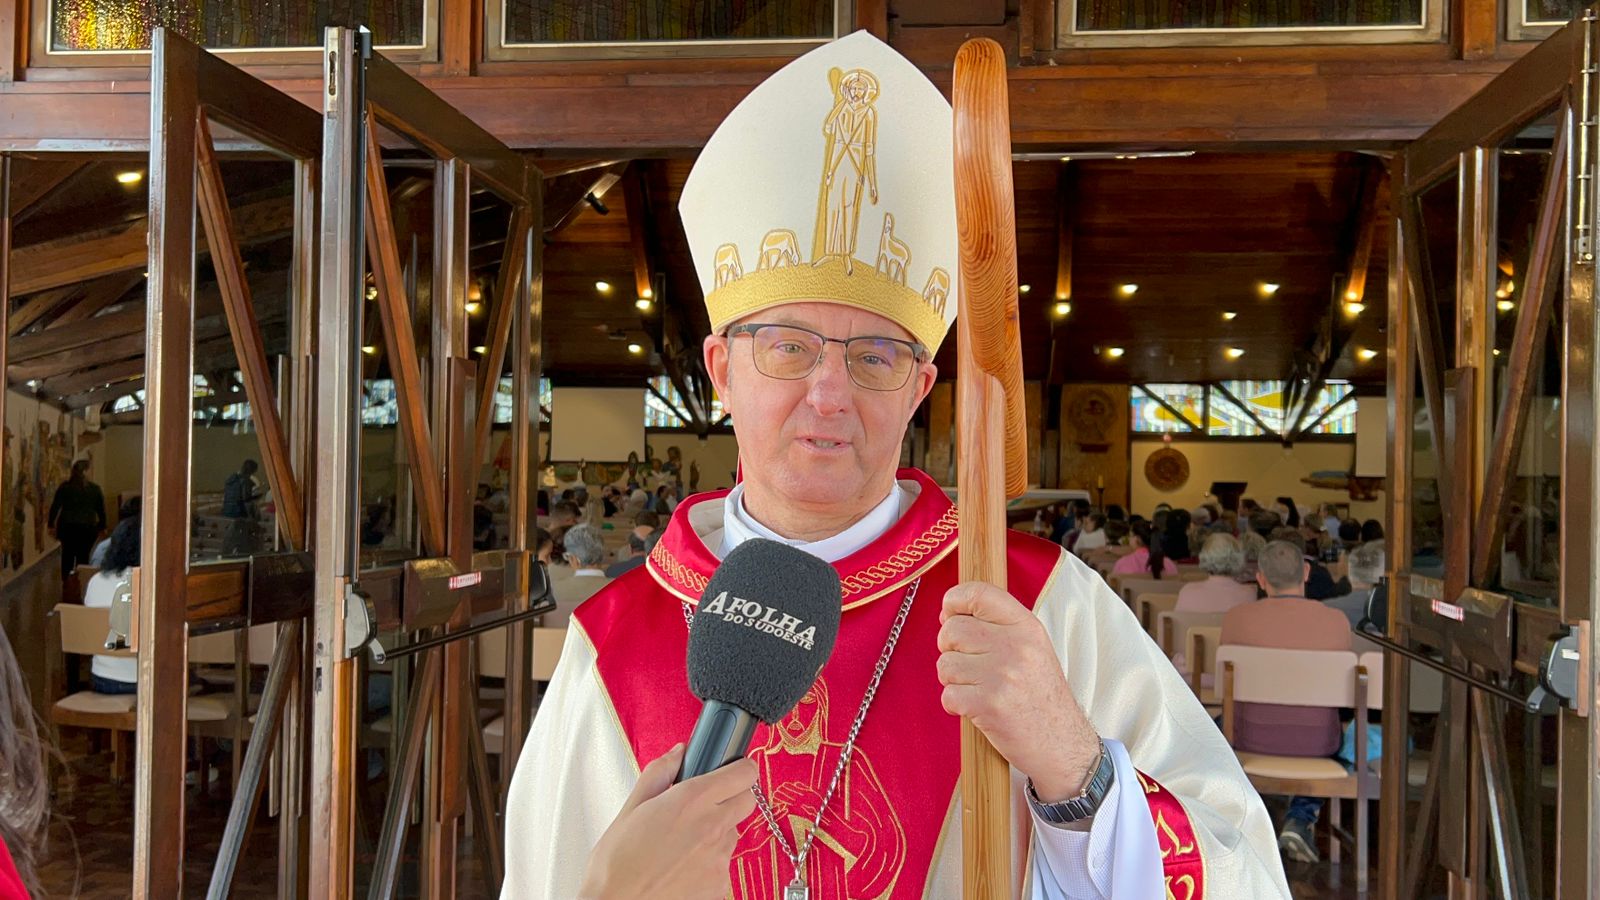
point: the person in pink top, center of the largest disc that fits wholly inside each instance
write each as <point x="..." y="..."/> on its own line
<point x="1221" y="557"/>
<point x="1144" y="559"/>
<point x="1286" y="620"/>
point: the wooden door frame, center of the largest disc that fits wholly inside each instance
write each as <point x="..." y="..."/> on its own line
<point x="190" y="89"/>
<point x="1474" y="484"/>
<point x="364" y="90"/>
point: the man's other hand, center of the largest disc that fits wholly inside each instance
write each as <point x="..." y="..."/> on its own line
<point x="672" y="840"/>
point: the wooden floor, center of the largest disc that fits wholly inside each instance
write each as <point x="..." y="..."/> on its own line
<point x="92" y="845"/>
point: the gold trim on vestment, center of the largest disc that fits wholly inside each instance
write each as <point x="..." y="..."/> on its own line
<point x="594" y="671"/>
<point x="910" y="561"/>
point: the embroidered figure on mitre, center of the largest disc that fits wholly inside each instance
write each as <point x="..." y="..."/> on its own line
<point x="850" y="165"/>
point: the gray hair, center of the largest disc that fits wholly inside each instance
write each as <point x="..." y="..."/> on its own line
<point x="1283" y="566"/>
<point x="1251" y="545"/>
<point x="1366" y="563"/>
<point x="584" y="544"/>
<point x="1221" y="555"/>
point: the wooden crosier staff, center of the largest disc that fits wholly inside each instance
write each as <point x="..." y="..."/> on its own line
<point x="991" y="444"/>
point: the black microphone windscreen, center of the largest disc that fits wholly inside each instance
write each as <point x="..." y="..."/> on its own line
<point x="764" y="628"/>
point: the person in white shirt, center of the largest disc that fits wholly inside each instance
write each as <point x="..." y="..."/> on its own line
<point x="114" y="674"/>
<point x="1093" y="537"/>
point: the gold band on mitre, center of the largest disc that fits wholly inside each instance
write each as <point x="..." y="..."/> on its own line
<point x="833" y="281"/>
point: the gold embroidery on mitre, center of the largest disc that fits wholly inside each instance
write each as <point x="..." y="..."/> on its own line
<point x="1169" y="842"/>
<point x="850" y="164"/>
<point x="894" y="257"/>
<point x="1184" y="881"/>
<point x="848" y="178"/>
<point x="727" y="265"/>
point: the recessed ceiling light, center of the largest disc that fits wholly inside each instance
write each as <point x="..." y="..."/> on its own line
<point x="1497" y="351"/>
<point x="1505" y="306"/>
<point x="147" y="273"/>
<point x="1114" y="352"/>
<point x="474" y="292"/>
<point x="1352" y="296"/>
<point x="1024" y="288"/>
<point x="472" y="307"/>
<point x="1063" y="308"/>
<point x="130" y="177"/>
<point x="643" y="303"/>
<point x="372" y="293"/>
<point x="370" y="350"/>
<point x="1269" y="288"/>
<point x="1367" y="353"/>
<point x="1229" y="315"/>
<point x="1234" y="352"/>
<point x="635" y="349"/>
<point x="1128" y="290"/>
<point x="603" y="287"/>
<point x="647" y="293"/>
<point x="1354" y="308"/>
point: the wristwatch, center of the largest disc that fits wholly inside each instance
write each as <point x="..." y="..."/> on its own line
<point x="1088" y="801"/>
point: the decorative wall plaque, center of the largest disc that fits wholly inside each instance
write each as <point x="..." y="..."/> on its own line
<point x="1091" y="416"/>
<point x="1167" y="469"/>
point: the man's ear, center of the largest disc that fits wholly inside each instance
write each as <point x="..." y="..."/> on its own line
<point x="716" y="349"/>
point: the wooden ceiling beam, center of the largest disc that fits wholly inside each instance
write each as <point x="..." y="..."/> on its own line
<point x="39" y="306"/>
<point x="105" y="394"/>
<point x="567" y="196"/>
<point x="506" y="298"/>
<point x="1364" y="225"/>
<point x="125" y="248"/>
<point x="43" y="177"/>
<point x="98" y="295"/>
<point x="1066" y="217"/>
<point x="634" y="192"/>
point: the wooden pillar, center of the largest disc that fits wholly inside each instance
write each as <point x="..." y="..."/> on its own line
<point x="161" y="582"/>
<point x="941" y="421"/>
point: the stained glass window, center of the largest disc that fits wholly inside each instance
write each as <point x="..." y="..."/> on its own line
<point x="1338" y="414"/>
<point x="123" y="25"/>
<point x="1264" y="399"/>
<point x="546" y="22"/>
<point x="1180" y="408"/>
<point x="1176" y="15"/>
<point x="379" y="405"/>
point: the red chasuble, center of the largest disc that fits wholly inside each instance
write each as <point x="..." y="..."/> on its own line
<point x="881" y="831"/>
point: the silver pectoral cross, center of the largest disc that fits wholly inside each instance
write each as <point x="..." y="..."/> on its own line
<point x="796" y="890"/>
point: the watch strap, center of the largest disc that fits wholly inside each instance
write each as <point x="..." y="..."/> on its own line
<point x="1087" y="803"/>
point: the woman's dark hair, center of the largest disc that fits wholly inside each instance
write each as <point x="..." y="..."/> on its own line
<point x="1115" y="531"/>
<point x="1175" y="541"/>
<point x="1371" y="530"/>
<point x="1146" y="536"/>
<point x="1115" y="513"/>
<point x="80" y="471"/>
<point x="1350" y="531"/>
<point x="1293" y="520"/>
<point x="130" y="508"/>
<point x="123" y="552"/>
<point x="25" y="806"/>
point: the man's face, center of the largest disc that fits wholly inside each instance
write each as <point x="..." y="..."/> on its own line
<point x="820" y="441"/>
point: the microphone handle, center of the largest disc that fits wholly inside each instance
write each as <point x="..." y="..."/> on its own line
<point x="721" y="736"/>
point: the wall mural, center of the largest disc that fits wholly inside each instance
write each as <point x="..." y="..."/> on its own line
<point x="39" y="444"/>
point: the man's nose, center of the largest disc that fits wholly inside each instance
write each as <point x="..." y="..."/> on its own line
<point x="829" y="390"/>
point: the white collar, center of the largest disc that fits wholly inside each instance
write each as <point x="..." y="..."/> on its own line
<point x="739" y="526"/>
<point x="578" y="572"/>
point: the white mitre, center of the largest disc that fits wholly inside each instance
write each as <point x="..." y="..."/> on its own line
<point x="832" y="181"/>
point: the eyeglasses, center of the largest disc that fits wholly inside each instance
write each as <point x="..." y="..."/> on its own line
<point x="789" y="353"/>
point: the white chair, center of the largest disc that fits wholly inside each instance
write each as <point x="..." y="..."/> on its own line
<point x="1149" y="606"/>
<point x="1327" y="679"/>
<point x="83" y="633"/>
<point x="546" y="649"/>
